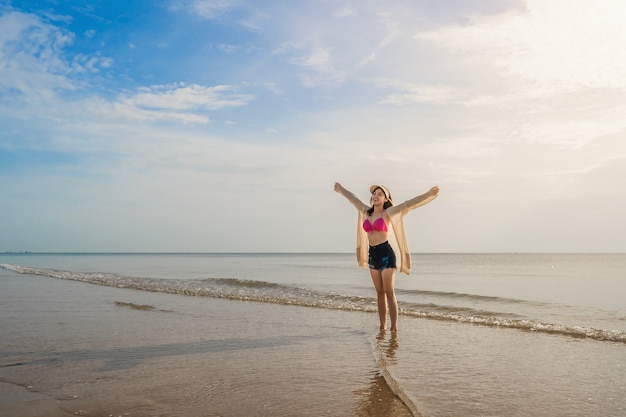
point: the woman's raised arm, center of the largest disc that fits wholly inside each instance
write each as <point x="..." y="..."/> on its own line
<point x="351" y="197"/>
<point x="415" y="202"/>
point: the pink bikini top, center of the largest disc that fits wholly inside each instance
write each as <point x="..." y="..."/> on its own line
<point x="379" y="225"/>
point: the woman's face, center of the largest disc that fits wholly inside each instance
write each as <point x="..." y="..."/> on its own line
<point x="378" y="197"/>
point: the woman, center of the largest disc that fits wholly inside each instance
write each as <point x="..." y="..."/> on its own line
<point x="381" y="242"/>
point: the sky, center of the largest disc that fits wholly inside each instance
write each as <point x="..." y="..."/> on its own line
<point x="222" y="125"/>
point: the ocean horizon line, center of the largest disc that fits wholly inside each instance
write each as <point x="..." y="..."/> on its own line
<point x="27" y="252"/>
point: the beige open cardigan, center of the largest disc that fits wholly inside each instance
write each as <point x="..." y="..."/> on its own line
<point x="397" y="237"/>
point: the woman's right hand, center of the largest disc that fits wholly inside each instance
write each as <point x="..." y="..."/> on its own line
<point x="337" y="187"/>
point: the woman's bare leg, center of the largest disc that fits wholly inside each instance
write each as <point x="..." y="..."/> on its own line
<point x="388" y="279"/>
<point x="377" y="279"/>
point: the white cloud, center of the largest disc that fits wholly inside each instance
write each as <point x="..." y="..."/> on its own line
<point x="418" y="93"/>
<point x="186" y="97"/>
<point x="83" y="63"/>
<point x="344" y="11"/>
<point x="545" y="83"/>
<point x="34" y="63"/>
<point x="175" y="102"/>
<point x="567" y="44"/>
<point x="208" y="9"/>
<point x="130" y="111"/>
<point x="31" y="55"/>
<point x="316" y="60"/>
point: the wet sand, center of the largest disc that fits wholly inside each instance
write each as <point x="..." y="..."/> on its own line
<point x="20" y="401"/>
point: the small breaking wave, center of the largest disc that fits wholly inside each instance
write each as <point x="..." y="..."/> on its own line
<point x="142" y="307"/>
<point x="134" y="306"/>
<point x="266" y="292"/>
<point x="469" y="297"/>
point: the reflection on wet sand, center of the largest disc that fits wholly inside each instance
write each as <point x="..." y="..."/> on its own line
<point x="380" y="399"/>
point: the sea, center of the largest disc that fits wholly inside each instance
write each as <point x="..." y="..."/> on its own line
<point x="269" y="334"/>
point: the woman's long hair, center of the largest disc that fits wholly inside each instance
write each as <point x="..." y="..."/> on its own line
<point x="386" y="205"/>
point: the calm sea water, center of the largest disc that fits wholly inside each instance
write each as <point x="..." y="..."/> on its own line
<point x="480" y="334"/>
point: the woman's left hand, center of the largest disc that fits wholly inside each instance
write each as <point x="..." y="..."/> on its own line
<point x="434" y="190"/>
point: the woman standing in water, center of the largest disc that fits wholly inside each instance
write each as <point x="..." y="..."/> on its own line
<point x="381" y="242"/>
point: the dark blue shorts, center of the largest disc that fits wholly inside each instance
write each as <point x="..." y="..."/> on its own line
<point x="382" y="257"/>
